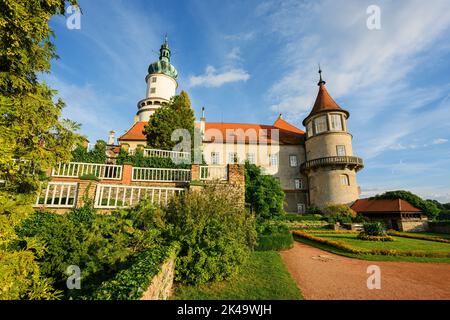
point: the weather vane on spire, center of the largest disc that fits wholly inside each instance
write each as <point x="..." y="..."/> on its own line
<point x="165" y="38"/>
<point x="320" y="76"/>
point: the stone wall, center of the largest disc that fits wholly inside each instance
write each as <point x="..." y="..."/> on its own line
<point x="161" y="286"/>
<point x="413" y="225"/>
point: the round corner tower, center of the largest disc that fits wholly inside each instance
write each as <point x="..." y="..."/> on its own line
<point x="161" y="84"/>
<point x="330" y="165"/>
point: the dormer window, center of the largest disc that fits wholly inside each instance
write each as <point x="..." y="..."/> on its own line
<point x="320" y="124"/>
<point x="336" y="122"/>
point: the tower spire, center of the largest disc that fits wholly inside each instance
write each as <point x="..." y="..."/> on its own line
<point x="321" y="81"/>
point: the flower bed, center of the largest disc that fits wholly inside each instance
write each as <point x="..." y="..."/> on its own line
<point x="364" y="236"/>
<point x="418" y="236"/>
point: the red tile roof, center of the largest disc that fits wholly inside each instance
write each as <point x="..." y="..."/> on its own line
<point x="383" y="205"/>
<point x="253" y="133"/>
<point x="136" y="132"/>
<point x="324" y="102"/>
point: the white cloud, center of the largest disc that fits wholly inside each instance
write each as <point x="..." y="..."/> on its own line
<point x="213" y="78"/>
<point x="440" y="141"/>
<point x="234" y="54"/>
<point x="244" y="36"/>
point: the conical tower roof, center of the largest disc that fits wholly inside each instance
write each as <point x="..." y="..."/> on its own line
<point x="324" y="102"/>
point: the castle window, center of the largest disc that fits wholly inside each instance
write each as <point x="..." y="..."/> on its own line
<point x="340" y="150"/>
<point x="153" y="79"/>
<point x="293" y="161"/>
<point x="215" y="157"/>
<point x="298" y="183"/>
<point x="344" y="180"/>
<point x="251" y="158"/>
<point x="152" y="90"/>
<point x="300" y="208"/>
<point x="309" y="129"/>
<point x="320" y="124"/>
<point x="274" y="160"/>
<point x="336" y="122"/>
<point x="232" y="157"/>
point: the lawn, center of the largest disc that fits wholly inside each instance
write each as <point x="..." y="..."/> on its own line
<point x="400" y="243"/>
<point x="263" y="277"/>
<point x="350" y="239"/>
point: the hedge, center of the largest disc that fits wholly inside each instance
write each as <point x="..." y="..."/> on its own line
<point x="386" y="252"/>
<point x="441" y="223"/>
<point x="132" y="282"/>
<point x="367" y="237"/>
<point x="300" y="217"/>
<point x="276" y="241"/>
<point x="418" y="236"/>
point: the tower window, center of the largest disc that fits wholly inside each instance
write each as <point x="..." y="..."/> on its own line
<point x="309" y="129"/>
<point x="340" y="150"/>
<point x="215" y="157"/>
<point x="336" y="122"/>
<point x="293" y="161"/>
<point x="274" y="160"/>
<point x="344" y="180"/>
<point x="153" y="79"/>
<point x="232" y="157"/>
<point x="298" y="183"/>
<point x="321" y="124"/>
<point x="152" y="90"/>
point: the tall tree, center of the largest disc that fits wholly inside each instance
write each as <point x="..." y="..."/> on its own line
<point x="30" y="130"/>
<point x="177" y="114"/>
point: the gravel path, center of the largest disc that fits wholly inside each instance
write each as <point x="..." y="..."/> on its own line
<point x="323" y="275"/>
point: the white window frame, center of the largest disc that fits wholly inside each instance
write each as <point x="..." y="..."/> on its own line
<point x="345" y="180"/>
<point x="233" y="157"/>
<point x="273" y="160"/>
<point x="340" y="150"/>
<point x="293" y="160"/>
<point x="215" y="157"/>
<point x="301" y="208"/>
<point x="298" y="183"/>
<point x="336" y="122"/>
<point x="320" y="124"/>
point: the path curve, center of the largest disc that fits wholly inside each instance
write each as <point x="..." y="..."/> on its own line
<point x="323" y="275"/>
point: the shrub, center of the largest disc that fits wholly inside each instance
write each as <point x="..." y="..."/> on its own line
<point x="263" y="193"/>
<point x="274" y="235"/>
<point x="89" y="177"/>
<point x="364" y="236"/>
<point x="418" y="236"/>
<point x="374" y="229"/>
<point x="338" y="210"/>
<point x="313" y="209"/>
<point x="214" y="230"/>
<point x="440" y="223"/>
<point x="300" y="217"/>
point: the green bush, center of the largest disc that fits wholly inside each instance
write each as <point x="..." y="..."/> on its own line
<point x="440" y="223"/>
<point x="131" y="282"/>
<point x="374" y="229"/>
<point x="313" y="210"/>
<point x="263" y="193"/>
<point x="364" y="236"/>
<point x="89" y="177"/>
<point x="273" y="235"/>
<point x="215" y="233"/>
<point x="97" y="155"/>
<point x="300" y="217"/>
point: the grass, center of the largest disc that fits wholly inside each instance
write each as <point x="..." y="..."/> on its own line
<point x="263" y="277"/>
<point x="372" y="257"/>
<point x="431" y="234"/>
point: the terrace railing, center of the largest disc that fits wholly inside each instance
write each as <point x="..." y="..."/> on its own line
<point x="117" y="196"/>
<point x="161" y="174"/>
<point x="213" y="173"/>
<point x="350" y="161"/>
<point x="77" y="169"/>
<point x="174" y="155"/>
<point x="58" y="195"/>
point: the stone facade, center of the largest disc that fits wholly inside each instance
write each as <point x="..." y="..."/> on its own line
<point x="161" y="286"/>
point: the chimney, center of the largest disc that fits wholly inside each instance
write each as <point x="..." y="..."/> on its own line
<point x="111" y="137"/>
<point x="202" y="122"/>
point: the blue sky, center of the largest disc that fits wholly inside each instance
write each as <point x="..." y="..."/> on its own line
<point x="247" y="61"/>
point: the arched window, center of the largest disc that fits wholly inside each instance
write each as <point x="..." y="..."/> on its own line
<point x="345" y="180"/>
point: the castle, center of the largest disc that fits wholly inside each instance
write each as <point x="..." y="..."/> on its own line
<point x="313" y="167"/>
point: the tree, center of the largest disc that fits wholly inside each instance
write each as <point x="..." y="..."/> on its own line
<point x="428" y="207"/>
<point x="97" y="155"/>
<point x="30" y="130"/>
<point x="177" y="114"/>
<point x="263" y="193"/>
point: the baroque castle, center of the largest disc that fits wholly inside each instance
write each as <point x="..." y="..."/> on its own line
<point x="313" y="167"/>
